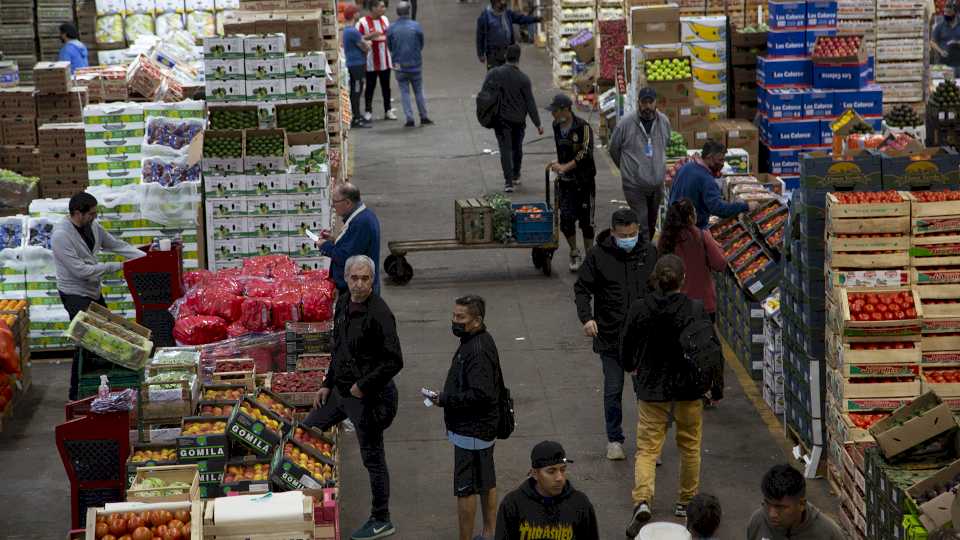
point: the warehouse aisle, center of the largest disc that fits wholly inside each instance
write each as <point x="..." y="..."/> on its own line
<point x="410" y="178"/>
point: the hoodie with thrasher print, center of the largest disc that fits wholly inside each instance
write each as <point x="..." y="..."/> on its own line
<point x="526" y="515"/>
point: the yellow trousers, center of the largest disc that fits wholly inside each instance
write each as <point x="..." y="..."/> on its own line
<point x="652" y="423"/>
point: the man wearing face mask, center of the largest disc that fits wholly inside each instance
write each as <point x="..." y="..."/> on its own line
<point x="469" y="399"/>
<point x="360" y="235"/>
<point x="365" y="357"/>
<point x="945" y="39"/>
<point x="495" y="32"/>
<point x="697" y="181"/>
<point x="614" y="277"/>
<point x="638" y="148"/>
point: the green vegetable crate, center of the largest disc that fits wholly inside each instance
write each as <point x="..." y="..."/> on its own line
<point x="302" y="117"/>
<point x="165" y="483"/>
<point x="223" y="151"/>
<point x="233" y="117"/>
<point x="114" y="338"/>
<point x="265" y="151"/>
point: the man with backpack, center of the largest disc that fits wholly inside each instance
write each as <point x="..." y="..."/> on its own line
<point x="614" y="277"/>
<point x="470" y="399"/>
<point x="669" y="341"/>
<point x="495" y="32"/>
<point x="504" y="102"/>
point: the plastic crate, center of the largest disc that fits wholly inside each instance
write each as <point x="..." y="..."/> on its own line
<point x="532" y="228"/>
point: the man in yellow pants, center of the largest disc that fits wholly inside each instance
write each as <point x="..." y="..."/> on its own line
<point x="651" y="343"/>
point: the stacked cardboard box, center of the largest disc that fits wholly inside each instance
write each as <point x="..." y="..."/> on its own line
<point x="900" y="50"/>
<point x="746" y="48"/>
<point x="114" y="134"/>
<point x="18" y="37"/>
<point x="63" y="159"/>
<point x="58" y="100"/>
<point x="773" y="354"/>
<point x="570" y="19"/>
<point x="50" y="15"/>
<point x="18" y="130"/>
<point x="705" y="42"/>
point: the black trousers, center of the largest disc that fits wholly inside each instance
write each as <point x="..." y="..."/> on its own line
<point x="358" y="75"/>
<point x="74" y="303"/>
<point x="384" y="77"/>
<point x="413" y="9"/>
<point x="371" y="416"/>
<point x="510" y="141"/>
<point x="496" y="57"/>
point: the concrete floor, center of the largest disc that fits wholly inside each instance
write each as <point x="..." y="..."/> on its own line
<point x="410" y="177"/>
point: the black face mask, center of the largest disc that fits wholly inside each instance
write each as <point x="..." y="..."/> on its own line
<point x="459" y="329"/>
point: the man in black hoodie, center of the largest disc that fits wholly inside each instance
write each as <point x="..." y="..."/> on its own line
<point x="469" y="400"/>
<point x="614" y="276"/>
<point x="546" y="506"/>
<point x="359" y="385"/>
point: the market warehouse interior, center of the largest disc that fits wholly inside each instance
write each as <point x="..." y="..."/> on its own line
<point x="212" y="286"/>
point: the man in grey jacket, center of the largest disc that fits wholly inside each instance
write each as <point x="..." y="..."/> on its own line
<point x="786" y="514"/>
<point x="76" y="242"/>
<point x="638" y="147"/>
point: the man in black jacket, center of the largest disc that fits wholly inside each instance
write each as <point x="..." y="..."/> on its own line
<point x="516" y="103"/>
<point x="469" y="400"/>
<point x="614" y="275"/>
<point x="546" y="505"/>
<point x="577" y="172"/>
<point x="359" y="385"/>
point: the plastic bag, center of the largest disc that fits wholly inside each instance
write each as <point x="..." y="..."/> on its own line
<point x="109" y="29"/>
<point x="195" y="277"/>
<point x="115" y="402"/>
<point x="199" y="330"/>
<point x="317" y="305"/>
<point x="169" y="22"/>
<point x="168" y="171"/>
<point x="286" y="308"/>
<point x="11" y="232"/>
<point x="237" y="329"/>
<point x="266" y="350"/>
<point x="222" y="304"/>
<point x="275" y="266"/>
<point x="256" y="314"/>
<point x="291" y="285"/>
<point x="259" y="287"/>
<point x="170" y="136"/>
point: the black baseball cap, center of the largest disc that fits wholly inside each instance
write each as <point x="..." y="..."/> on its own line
<point x="560" y="101"/>
<point x="547" y="454"/>
<point x="647" y="93"/>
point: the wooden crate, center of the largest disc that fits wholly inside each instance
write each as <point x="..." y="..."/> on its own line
<point x="168" y="473"/>
<point x="169" y="404"/>
<point x="473" y="221"/>
<point x="195" y="508"/>
<point x="234" y="374"/>
<point x="267" y="530"/>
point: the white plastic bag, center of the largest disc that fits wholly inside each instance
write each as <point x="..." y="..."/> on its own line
<point x="171" y="206"/>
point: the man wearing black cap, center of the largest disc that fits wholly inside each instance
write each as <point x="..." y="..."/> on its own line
<point x="577" y="172"/>
<point x="638" y="147"/>
<point x="546" y="505"/>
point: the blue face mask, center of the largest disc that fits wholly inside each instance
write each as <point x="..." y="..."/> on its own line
<point x="627" y="244"/>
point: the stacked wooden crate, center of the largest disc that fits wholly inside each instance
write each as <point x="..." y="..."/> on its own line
<point x="18" y="37"/>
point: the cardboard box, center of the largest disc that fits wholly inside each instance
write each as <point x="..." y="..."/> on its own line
<point x="224" y="69"/>
<point x="837" y="76"/>
<point x="253" y="433"/>
<point x="704" y="73"/>
<point x="819" y="104"/>
<point x="786" y="43"/>
<point x="187" y="474"/>
<point x="793" y="132"/>
<point x="307" y="64"/>
<point x="933" y="168"/>
<point x="784" y="103"/>
<point x="59" y="108"/>
<point x="673" y="93"/>
<point x="784" y="160"/>
<point x="787" y="14"/>
<point x="305" y="89"/>
<point x="234" y="482"/>
<point x="304" y="32"/>
<point x="774" y="72"/>
<point x="867" y="101"/>
<point x="257" y="69"/>
<point x="52" y="77"/>
<point x="859" y="171"/>
<point x="271" y="90"/>
<point x="923" y="419"/>
<point x="203" y="447"/>
<point x="691" y="118"/>
<point x="822" y="13"/>
<point x="270" y="23"/>
<point x="743" y="134"/>
<point x="268" y="46"/>
<point x="225" y="91"/>
<point x="814" y="33"/>
<point x="655" y="24"/>
<point x="708" y="52"/>
<point x="236" y="24"/>
<point x="17" y="101"/>
<point x="18" y="131"/>
<point x="703" y="28"/>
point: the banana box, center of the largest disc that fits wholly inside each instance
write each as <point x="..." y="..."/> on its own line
<point x="708" y="52"/>
<point x="703" y="29"/>
<point x="709" y="73"/>
<point x="711" y="95"/>
<point x="717" y="113"/>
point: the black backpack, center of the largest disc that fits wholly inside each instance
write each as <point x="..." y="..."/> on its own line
<point x="702" y="353"/>
<point x="488" y="101"/>
<point x="506" y="420"/>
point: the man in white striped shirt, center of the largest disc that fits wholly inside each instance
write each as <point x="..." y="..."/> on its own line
<point x="373" y="27"/>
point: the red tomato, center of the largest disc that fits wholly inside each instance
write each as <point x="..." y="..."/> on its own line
<point x="911" y="313"/>
<point x="869" y="307"/>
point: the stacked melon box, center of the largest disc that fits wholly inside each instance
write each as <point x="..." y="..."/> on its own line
<point x="705" y="43"/>
<point x="872" y="331"/>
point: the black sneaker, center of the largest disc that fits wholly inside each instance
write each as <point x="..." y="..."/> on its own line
<point x="516" y="180"/>
<point x="508" y="189"/>
<point x="362" y="124"/>
<point x="426" y="122"/>
<point x="641" y="515"/>
<point x="374" y="529"/>
<point x="409" y="123"/>
<point x="680" y="510"/>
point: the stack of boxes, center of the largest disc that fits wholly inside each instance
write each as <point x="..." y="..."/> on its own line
<point x="58" y="100"/>
<point x="773" y="354"/>
<point x="570" y="17"/>
<point x="800" y="96"/>
<point x="900" y="51"/>
<point x="63" y="160"/>
<point x="705" y="43"/>
<point x="18" y="130"/>
<point x="50" y="15"/>
<point x="746" y="48"/>
<point x="654" y="33"/>
<point x="18" y="38"/>
<point x="114" y="133"/>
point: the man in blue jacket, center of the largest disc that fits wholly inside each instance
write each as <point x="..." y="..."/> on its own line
<point x="360" y="235"/>
<point x="73" y="50"/>
<point x="405" y="41"/>
<point x="697" y="181"/>
<point x="495" y="32"/>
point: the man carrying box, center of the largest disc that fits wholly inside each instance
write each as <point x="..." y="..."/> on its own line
<point x="76" y="244"/>
<point x="638" y="147"/>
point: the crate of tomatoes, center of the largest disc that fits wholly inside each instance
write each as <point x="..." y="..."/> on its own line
<point x="934" y="203"/>
<point x="879" y="352"/>
<point x="875" y="383"/>
<point x="868" y="212"/>
<point x="759" y="275"/>
<point x="880" y="313"/>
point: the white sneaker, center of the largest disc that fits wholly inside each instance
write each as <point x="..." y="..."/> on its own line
<point x="615" y="452"/>
<point x="367" y="116"/>
<point x="391" y="115"/>
<point x="575" y="261"/>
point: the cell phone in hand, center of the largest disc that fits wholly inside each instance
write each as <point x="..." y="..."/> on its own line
<point x="311" y="235"/>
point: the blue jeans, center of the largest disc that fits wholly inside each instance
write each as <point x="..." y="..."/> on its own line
<point x="405" y="79"/>
<point x="613" y="376"/>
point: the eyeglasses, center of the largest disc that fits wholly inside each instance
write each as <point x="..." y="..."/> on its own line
<point x="338" y="201"/>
